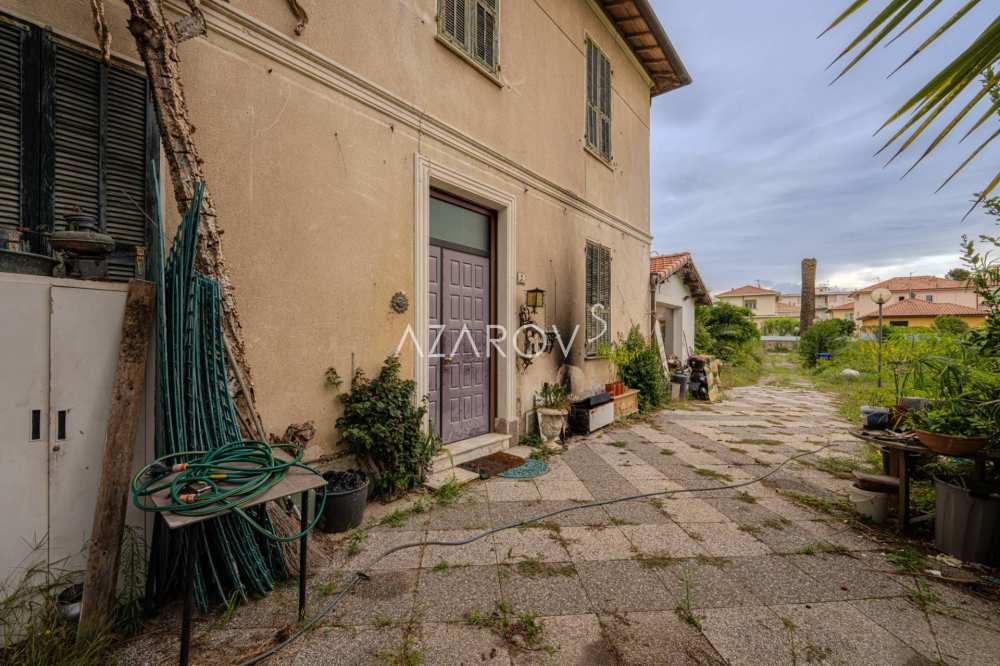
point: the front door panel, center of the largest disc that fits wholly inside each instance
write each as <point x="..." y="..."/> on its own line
<point x="465" y="367"/>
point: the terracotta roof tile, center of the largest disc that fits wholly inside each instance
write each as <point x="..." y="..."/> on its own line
<point x="666" y="265"/>
<point x="916" y="308"/>
<point x="849" y="305"/>
<point x="749" y="290"/>
<point x="915" y="283"/>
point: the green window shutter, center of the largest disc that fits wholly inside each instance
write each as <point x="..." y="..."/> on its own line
<point x="77" y="182"/>
<point x="598" y="293"/>
<point x="452" y="20"/>
<point x="100" y="151"/>
<point x="473" y="26"/>
<point x="125" y="168"/>
<point x="11" y="39"/>
<point x="598" y="130"/>
<point x="486" y="33"/>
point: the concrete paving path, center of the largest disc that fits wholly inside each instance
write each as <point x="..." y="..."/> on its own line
<point x="757" y="576"/>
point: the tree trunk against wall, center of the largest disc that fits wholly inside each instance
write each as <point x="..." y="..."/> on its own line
<point x="807" y="312"/>
<point x="156" y="39"/>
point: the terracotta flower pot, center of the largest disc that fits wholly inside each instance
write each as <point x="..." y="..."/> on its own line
<point x="610" y="388"/>
<point x="621" y="388"/>
<point x="950" y="445"/>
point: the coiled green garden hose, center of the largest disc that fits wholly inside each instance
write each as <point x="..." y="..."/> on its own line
<point x="222" y="479"/>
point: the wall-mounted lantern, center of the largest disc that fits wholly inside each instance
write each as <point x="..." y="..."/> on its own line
<point x="535" y="299"/>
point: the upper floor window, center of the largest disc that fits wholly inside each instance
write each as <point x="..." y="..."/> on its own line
<point x="471" y="26"/>
<point x="598" y="292"/>
<point x="929" y="298"/>
<point x="750" y="303"/>
<point x="74" y="137"/>
<point x="598" y="134"/>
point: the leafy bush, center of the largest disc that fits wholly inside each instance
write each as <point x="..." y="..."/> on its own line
<point x="950" y="325"/>
<point x="382" y="426"/>
<point x="554" y="396"/>
<point x="822" y="337"/>
<point x="728" y="332"/>
<point x="640" y="368"/>
<point x="780" y="326"/>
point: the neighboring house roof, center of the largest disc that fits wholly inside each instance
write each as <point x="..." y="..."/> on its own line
<point x="749" y="290"/>
<point x="638" y="25"/>
<point x="849" y="305"/>
<point x="665" y="265"/>
<point x="916" y="308"/>
<point x="787" y="308"/>
<point x="914" y="283"/>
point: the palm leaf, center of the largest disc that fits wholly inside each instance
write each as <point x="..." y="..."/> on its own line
<point x="930" y="8"/>
<point x="937" y="95"/>
<point x="937" y="33"/>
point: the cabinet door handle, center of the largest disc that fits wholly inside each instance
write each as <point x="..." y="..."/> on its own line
<point x="61" y="424"/>
<point x="36" y="425"/>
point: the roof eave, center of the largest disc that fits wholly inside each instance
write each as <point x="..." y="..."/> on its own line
<point x="676" y="64"/>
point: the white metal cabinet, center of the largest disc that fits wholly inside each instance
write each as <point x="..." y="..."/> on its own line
<point x="59" y="354"/>
<point x="24" y="400"/>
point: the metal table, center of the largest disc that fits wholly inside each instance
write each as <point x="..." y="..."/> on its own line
<point x="295" y="481"/>
<point x="901" y="455"/>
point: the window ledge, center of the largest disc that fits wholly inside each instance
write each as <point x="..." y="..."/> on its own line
<point x="597" y="156"/>
<point x="478" y="66"/>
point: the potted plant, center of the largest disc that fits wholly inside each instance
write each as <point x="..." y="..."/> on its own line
<point x="958" y="419"/>
<point x="552" y="412"/>
<point x="949" y="430"/>
<point x="618" y="356"/>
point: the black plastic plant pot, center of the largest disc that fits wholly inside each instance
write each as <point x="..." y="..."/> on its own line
<point x="344" y="509"/>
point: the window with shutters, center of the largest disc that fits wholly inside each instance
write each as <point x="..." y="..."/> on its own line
<point x="74" y="134"/>
<point x="598" y="130"/>
<point x="598" y="315"/>
<point x="471" y="27"/>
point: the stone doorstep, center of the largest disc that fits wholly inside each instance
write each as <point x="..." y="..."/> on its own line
<point x="462" y="451"/>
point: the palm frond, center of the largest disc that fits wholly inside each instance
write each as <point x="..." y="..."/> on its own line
<point x="928" y="104"/>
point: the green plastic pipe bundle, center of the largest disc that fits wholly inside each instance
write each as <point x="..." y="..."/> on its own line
<point x="197" y="422"/>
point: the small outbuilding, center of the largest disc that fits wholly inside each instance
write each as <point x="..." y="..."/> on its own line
<point x="676" y="287"/>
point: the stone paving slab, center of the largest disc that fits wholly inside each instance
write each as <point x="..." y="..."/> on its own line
<point x="746" y="576"/>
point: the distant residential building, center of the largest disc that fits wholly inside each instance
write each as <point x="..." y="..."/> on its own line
<point x="763" y="303"/>
<point x="921" y="313"/>
<point x="926" y="288"/>
<point x="677" y="289"/>
<point x="826" y="298"/>
<point x="841" y="311"/>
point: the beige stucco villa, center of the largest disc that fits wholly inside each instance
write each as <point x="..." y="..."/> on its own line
<point x="763" y="303"/>
<point x="927" y="288"/>
<point x="397" y="166"/>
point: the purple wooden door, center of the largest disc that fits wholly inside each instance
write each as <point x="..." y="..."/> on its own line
<point x="464" y="389"/>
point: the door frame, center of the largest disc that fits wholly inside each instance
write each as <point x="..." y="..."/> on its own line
<point x="430" y="175"/>
<point x="440" y="195"/>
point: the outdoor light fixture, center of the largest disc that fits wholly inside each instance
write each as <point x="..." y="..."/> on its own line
<point x="881" y="296"/>
<point x="535" y="298"/>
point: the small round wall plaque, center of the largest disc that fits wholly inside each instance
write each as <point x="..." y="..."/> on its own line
<point x="399" y="303"/>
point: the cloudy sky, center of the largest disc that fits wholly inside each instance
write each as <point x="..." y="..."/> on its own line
<point x="760" y="162"/>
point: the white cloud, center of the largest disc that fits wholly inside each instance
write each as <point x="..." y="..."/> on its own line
<point x="854" y="276"/>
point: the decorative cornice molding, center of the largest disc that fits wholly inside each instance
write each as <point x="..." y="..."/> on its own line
<point x="242" y="29"/>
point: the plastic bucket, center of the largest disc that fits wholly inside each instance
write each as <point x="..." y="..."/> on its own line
<point x="867" y="503"/>
<point x="343" y="510"/>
